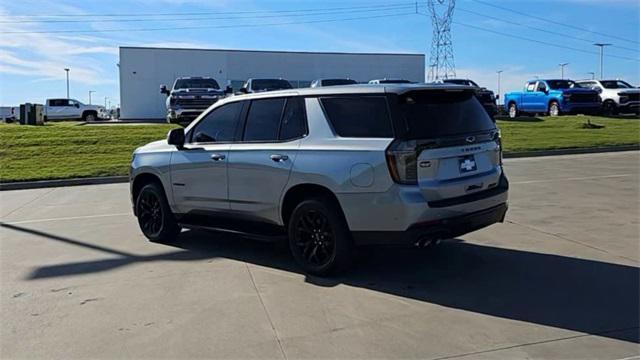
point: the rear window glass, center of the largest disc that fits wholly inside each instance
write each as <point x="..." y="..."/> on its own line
<point x="333" y="82"/>
<point x="269" y="84"/>
<point x="431" y="114"/>
<point x="361" y="116"/>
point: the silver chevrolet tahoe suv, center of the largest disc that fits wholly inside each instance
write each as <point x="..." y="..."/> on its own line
<point x="329" y="169"/>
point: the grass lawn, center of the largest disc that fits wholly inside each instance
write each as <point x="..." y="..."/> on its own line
<point x="66" y="150"/>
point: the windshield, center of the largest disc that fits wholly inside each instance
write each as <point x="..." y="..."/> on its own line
<point x="431" y="114"/>
<point x="562" y="84"/>
<point x="196" y="84"/>
<point x="615" y="84"/>
<point x="270" y="84"/>
<point x="332" y="82"/>
<point x="460" y="82"/>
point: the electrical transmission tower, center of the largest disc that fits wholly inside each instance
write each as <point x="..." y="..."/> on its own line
<point x="441" y="64"/>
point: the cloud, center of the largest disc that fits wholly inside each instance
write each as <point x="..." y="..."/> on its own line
<point x="43" y="56"/>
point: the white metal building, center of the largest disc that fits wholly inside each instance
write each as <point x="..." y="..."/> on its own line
<point x="143" y="70"/>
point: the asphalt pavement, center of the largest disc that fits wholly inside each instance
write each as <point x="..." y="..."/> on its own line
<point x="559" y="279"/>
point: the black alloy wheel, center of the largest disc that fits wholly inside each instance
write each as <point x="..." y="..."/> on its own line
<point x="155" y="218"/>
<point x="319" y="237"/>
<point x="150" y="214"/>
<point x="314" y="238"/>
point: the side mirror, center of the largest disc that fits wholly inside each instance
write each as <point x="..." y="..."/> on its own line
<point x="176" y="138"/>
<point x="244" y="90"/>
<point x="163" y="90"/>
<point x="228" y="90"/>
<point x="76" y="105"/>
<point x="498" y="97"/>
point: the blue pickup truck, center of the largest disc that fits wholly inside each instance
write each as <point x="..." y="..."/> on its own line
<point x="552" y="97"/>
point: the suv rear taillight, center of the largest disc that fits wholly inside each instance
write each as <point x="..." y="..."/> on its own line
<point x="402" y="158"/>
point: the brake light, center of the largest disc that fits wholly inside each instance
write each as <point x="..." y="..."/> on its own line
<point x="402" y="159"/>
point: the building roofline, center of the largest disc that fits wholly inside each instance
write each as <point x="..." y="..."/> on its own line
<point x="269" y="51"/>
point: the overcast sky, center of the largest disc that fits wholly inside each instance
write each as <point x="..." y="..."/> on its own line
<point x="31" y="64"/>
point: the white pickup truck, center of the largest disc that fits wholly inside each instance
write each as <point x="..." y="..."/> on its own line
<point x="67" y="109"/>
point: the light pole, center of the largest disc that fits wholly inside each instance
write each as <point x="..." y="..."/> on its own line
<point x="90" y="91"/>
<point x="105" y="102"/>
<point x="67" y="71"/>
<point x="601" y="46"/>
<point x="562" y="65"/>
<point x="593" y="75"/>
<point x="499" y="72"/>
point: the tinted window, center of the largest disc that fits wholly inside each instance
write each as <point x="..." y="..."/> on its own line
<point x="219" y="125"/>
<point x="615" y="84"/>
<point x="58" y="102"/>
<point x="196" y="84"/>
<point x="363" y="116"/>
<point x="294" y="120"/>
<point x="562" y="84"/>
<point x="395" y="82"/>
<point x="263" y="120"/>
<point x="541" y="86"/>
<point x="333" y="82"/>
<point x="432" y="114"/>
<point x="269" y="84"/>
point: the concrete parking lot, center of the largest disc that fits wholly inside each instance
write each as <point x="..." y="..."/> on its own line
<point x="559" y="279"/>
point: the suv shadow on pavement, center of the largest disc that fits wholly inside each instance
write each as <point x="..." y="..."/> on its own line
<point x="587" y="296"/>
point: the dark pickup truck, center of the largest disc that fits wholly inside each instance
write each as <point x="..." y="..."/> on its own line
<point x="189" y="97"/>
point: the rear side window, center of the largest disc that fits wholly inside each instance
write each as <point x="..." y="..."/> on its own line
<point x="359" y="116"/>
<point x="294" y="119"/>
<point x="263" y="120"/>
<point x="433" y="114"/>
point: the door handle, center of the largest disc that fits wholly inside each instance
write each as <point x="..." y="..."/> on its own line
<point x="217" y="157"/>
<point x="278" y="157"/>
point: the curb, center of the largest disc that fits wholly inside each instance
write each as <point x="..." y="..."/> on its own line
<point x="575" y="151"/>
<point x="63" y="182"/>
<point x="123" y="179"/>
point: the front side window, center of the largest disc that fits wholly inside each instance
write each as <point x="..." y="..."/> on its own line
<point x="359" y="116"/>
<point x="531" y="86"/>
<point x="219" y="125"/>
<point x="263" y="120"/>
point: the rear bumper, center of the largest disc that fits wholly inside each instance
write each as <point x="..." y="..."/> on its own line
<point x="437" y="229"/>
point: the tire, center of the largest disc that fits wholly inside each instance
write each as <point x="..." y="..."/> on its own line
<point x="319" y="237"/>
<point x="554" y="109"/>
<point x="609" y="108"/>
<point x="513" y="111"/>
<point x="155" y="218"/>
<point x="89" y="117"/>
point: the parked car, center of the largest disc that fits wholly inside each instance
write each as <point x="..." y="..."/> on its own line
<point x="262" y="85"/>
<point x="189" y="97"/>
<point x="71" y="109"/>
<point x="332" y="82"/>
<point x="552" y="97"/>
<point x="486" y="97"/>
<point x="617" y="96"/>
<point x="329" y="168"/>
<point x="389" y="81"/>
<point x="9" y="113"/>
